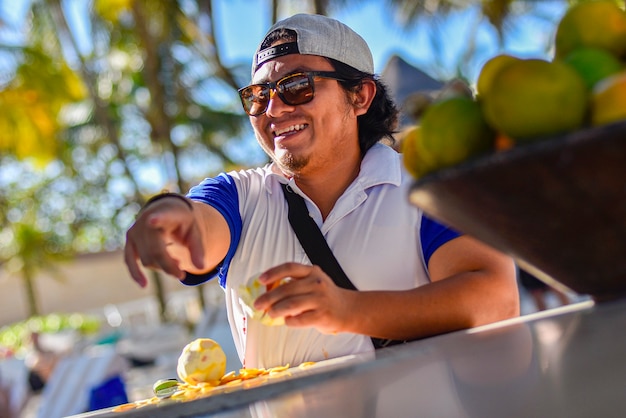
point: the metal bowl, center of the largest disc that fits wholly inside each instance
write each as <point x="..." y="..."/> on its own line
<point x="558" y="206"/>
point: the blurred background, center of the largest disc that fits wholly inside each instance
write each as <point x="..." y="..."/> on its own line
<point x="104" y="103"/>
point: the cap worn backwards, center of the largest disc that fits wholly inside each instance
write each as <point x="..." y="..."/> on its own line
<point x="319" y="35"/>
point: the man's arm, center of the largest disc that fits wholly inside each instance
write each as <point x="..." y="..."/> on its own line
<point x="173" y="237"/>
<point x="472" y="285"/>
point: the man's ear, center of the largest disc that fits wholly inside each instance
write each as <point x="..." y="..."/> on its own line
<point x="363" y="96"/>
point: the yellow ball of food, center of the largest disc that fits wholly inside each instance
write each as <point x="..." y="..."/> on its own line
<point x="202" y="361"/>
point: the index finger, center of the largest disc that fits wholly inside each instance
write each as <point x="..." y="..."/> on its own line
<point x="193" y="241"/>
<point x="130" y="258"/>
<point x="282" y="271"/>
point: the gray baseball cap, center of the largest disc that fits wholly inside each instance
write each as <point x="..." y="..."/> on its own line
<point x="319" y="35"/>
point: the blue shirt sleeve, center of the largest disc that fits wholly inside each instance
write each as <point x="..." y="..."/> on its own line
<point x="221" y="193"/>
<point x="433" y="235"/>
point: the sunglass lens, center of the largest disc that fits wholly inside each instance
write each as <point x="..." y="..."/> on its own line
<point x="295" y="90"/>
<point x="255" y="99"/>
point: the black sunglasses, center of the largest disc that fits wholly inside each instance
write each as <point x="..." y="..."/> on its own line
<point x="294" y="89"/>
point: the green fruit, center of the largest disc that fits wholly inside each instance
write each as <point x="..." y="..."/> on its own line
<point x="489" y="70"/>
<point x="416" y="160"/>
<point x="597" y="24"/>
<point x="454" y="130"/>
<point x="534" y="98"/>
<point x="593" y="64"/>
<point x="608" y="100"/>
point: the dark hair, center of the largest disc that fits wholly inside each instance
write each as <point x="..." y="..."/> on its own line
<point x="381" y="119"/>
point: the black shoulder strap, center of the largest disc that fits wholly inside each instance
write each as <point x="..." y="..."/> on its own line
<point x="312" y="240"/>
<point x="317" y="248"/>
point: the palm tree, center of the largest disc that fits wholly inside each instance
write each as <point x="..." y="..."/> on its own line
<point x="31" y="247"/>
<point x="95" y="109"/>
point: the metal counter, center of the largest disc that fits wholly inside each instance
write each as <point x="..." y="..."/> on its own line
<point x="565" y="362"/>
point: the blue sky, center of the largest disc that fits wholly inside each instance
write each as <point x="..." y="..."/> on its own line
<point x="244" y="22"/>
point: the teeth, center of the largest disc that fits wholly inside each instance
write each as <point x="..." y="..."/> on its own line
<point x="289" y="129"/>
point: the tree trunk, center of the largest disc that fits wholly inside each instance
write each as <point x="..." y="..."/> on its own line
<point x="159" y="293"/>
<point x="201" y="297"/>
<point x="31" y="294"/>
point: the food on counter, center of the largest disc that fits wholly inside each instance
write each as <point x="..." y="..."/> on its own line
<point x="201" y="367"/>
<point x="202" y="361"/>
<point x="164" y="388"/>
<point x="185" y="392"/>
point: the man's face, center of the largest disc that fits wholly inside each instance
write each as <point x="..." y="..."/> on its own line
<point x="304" y="139"/>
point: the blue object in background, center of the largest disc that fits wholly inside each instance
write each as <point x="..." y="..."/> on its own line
<point x="110" y="393"/>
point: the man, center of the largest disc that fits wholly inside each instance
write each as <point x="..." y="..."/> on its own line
<point x="319" y="112"/>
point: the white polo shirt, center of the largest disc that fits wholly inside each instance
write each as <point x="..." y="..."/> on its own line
<point x="378" y="237"/>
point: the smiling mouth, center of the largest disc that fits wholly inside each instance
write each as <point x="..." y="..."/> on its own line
<point x="289" y="129"/>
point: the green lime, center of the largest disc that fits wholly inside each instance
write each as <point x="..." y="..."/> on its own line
<point x="593" y="64"/>
<point x="164" y="388"/>
<point x="597" y="24"/>
<point x="489" y="70"/>
<point x="416" y="160"/>
<point x="532" y="98"/>
<point x="454" y="130"/>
